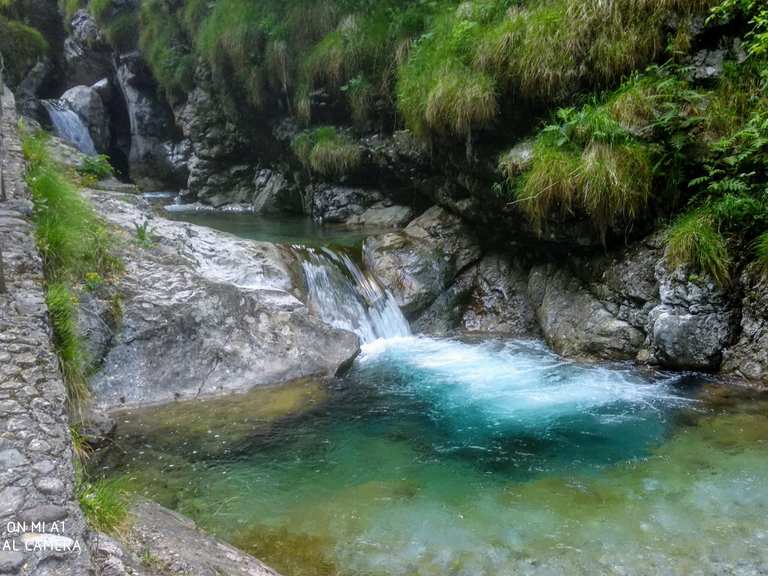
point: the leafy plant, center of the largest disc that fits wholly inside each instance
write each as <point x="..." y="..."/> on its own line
<point x="97" y="167"/>
<point x="144" y="233"/>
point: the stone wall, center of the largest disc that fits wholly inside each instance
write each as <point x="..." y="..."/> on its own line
<point x="36" y="458"/>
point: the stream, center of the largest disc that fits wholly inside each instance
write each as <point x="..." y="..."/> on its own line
<point x="457" y="456"/>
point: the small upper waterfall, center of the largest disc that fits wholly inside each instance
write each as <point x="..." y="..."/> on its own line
<point x="346" y="297"/>
<point x="69" y="126"/>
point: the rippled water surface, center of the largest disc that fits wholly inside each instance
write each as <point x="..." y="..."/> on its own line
<point x="440" y="457"/>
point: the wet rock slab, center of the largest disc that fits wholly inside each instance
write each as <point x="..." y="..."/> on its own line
<point x="203" y="313"/>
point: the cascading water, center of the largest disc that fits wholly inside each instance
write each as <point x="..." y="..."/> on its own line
<point x="69" y="126"/>
<point x="346" y="297"/>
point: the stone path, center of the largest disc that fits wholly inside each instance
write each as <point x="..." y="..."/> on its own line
<point x="36" y="472"/>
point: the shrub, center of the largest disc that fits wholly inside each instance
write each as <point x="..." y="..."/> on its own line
<point x="693" y="240"/>
<point x="97" y="167"/>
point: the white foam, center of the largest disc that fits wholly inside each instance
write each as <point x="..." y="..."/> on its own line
<point x="517" y="380"/>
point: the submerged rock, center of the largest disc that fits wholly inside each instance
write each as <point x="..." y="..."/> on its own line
<point x="417" y="264"/>
<point x="173" y="545"/>
<point x="205" y="313"/>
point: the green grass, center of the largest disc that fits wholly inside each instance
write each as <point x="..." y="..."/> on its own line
<point x="327" y="152"/>
<point x="62" y="310"/>
<point x="74" y="244"/>
<point x="104" y="503"/>
<point x="165" y="48"/>
<point x="693" y="240"/>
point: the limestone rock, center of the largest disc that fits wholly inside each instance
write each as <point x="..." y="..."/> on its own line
<point x="748" y="357"/>
<point x="417" y="264"/>
<point x="153" y="135"/>
<point x="205" y="313"/>
<point x="86" y="102"/>
<point x="694" y="322"/>
<point x="273" y="194"/>
<point x="87" y="56"/>
<point x="175" y="545"/>
<point x="499" y="302"/>
<point x="383" y="215"/>
<point x="337" y="204"/>
<point x="574" y="322"/>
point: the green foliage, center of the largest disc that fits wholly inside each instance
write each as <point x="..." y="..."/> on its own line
<point x="62" y="309"/>
<point x="144" y="234"/>
<point x="69" y="7"/>
<point x="103" y="502"/>
<point x="75" y="245"/>
<point x="122" y="31"/>
<point x="587" y="164"/>
<point x="694" y="240"/>
<point x="21" y="46"/>
<point x="70" y="236"/>
<point x="543" y="52"/>
<point x="165" y="48"/>
<point x="326" y="151"/>
<point x="97" y="167"/>
<point x="757" y="13"/>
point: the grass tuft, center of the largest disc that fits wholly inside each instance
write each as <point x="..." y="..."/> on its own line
<point x="104" y="504"/>
<point x="693" y="240"/>
<point x="327" y="152"/>
<point x="62" y="309"/>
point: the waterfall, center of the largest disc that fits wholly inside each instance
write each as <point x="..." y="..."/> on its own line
<point x="346" y="297"/>
<point x="69" y="126"/>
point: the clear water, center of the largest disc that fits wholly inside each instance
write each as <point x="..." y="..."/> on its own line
<point x="346" y="297"/>
<point x="299" y="230"/>
<point x="441" y="457"/>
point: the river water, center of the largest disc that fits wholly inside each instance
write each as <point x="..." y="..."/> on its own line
<point x="465" y="457"/>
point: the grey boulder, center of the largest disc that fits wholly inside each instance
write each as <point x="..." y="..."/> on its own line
<point x="418" y="263"/>
<point x="86" y="102"/>
<point x="694" y="322"/>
